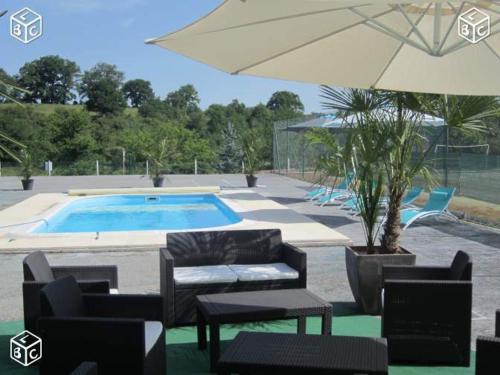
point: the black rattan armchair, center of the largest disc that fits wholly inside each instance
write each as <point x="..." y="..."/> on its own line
<point x="488" y="352"/>
<point x="427" y="313"/>
<point x="192" y="249"/>
<point x="85" y="368"/>
<point x="38" y="272"/>
<point x="122" y="334"/>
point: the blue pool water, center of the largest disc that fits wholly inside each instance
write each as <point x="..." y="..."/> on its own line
<point x="139" y="212"/>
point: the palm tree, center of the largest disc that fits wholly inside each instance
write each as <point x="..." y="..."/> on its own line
<point x="405" y="150"/>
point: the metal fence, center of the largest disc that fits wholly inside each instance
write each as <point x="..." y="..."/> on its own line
<point x="100" y="167"/>
<point x="474" y="173"/>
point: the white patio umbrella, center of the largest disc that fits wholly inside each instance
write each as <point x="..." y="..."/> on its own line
<point x="386" y="44"/>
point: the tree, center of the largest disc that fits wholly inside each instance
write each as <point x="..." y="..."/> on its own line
<point x="50" y="79"/>
<point x="102" y="86"/>
<point x="185" y="99"/>
<point x="285" y="104"/>
<point x="404" y="152"/>
<point x="230" y="155"/>
<point x="138" y="91"/>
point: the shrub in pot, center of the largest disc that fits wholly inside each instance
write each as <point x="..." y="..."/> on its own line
<point x="159" y="155"/>
<point x="252" y="151"/>
<point x="26" y="162"/>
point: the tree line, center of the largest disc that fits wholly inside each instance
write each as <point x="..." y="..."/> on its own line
<point x="74" y="118"/>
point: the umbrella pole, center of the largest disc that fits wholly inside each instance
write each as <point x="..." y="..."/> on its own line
<point x="446" y="142"/>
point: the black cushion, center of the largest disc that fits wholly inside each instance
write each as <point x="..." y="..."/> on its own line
<point x="37" y="268"/>
<point x="459" y="266"/>
<point x="62" y="298"/>
<point x="225" y="247"/>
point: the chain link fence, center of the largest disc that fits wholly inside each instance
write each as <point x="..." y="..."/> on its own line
<point x="472" y="171"/>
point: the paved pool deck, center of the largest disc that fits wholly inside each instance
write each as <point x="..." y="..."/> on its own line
<point x="435" y="241"/>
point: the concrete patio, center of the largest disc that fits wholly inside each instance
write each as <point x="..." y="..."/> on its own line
<point x="434" y="241"/>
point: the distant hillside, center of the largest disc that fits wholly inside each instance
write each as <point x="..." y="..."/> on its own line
<point x="50" y="108"/>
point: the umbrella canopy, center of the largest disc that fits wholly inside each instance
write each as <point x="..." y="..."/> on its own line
<point x="338" y="122"/>
<point x="413" y="46"/>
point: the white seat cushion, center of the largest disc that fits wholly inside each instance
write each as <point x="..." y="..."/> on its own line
<point x="113" y="291"/>
<point x="256" y="272"/>
<point x="152" y="331"/>
<point x="204" y="275"/>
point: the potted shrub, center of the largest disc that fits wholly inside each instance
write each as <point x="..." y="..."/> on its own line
<point x="159" y="155"/>
<point x="251" y="155"/>
<point x="26" y="162"/>
<point x="368" y="147"/>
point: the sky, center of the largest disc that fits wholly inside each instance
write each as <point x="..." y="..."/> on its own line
<point x="113" y="31"/>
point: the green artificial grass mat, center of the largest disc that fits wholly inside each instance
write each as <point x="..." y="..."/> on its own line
<point x="183" y="356"/>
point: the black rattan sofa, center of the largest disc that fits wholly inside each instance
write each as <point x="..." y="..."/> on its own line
<point x="488" y="351"/>
<point x="427" y="313"/>
<point x="38" y="272"/>
<point x="122" y="334"/>
<point x="243" y="247"/>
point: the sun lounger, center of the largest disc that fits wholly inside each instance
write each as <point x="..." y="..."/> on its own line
<point x="437" y="205"/>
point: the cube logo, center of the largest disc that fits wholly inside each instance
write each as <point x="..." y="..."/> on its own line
<point x="474" y="25"/>
<point x="26" y="25"/>
<point x="26" y="348"/>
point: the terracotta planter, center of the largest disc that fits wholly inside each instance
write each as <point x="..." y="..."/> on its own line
<point x="158" y="181"/>
<point x="28" y="184"/>
<point x="365" y="275"/>
<point x="251" y="181"/>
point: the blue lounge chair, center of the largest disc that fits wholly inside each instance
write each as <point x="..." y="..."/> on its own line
<point x="340" y="192"/>
<point x="411" y="196"/>
<point x="316" y="192"/>
<point x="437" y="205"/>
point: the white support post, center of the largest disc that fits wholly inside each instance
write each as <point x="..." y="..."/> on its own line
<point x="195" y="166"/>
<point x="243" y="167"/>
<point x="97" y="167"/>
<point x="147" y="167"/>
<point x="288" y="164"/>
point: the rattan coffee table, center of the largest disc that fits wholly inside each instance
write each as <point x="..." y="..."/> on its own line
<point x="216" y="309"/>
<point x="284" y="353"/>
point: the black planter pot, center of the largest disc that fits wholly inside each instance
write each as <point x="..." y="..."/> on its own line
<point x="251" y="181"/>
<point x="28" y="184"/>
<point x="158" y="181"/>
<point x="364" y="272"/>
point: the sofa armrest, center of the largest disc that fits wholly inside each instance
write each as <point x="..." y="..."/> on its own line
<point x="146" y="307"/>
<point x="297" y="259"/>
<point x="109" y="273"/>
<point x="69" y="340"/>
<point x="487" y="358"/>
<point x="167" y="286"/>
<point x="415" y="272"/>
<point x="497" y="323"/>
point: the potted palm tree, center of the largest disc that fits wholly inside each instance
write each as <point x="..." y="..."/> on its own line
<point x="160" y="154"/>
<point x="394" y="119"/>
<point x="26" y="162"/>
<point x="370" y="150"/>
<point x="251" y="148"/>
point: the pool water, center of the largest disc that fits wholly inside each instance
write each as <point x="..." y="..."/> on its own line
<point x="139" y="212"/>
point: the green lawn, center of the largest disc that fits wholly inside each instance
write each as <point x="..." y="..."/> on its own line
<point x="183" y="357"/>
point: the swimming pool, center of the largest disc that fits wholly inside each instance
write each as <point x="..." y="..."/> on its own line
<point x="139" y="213"/>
